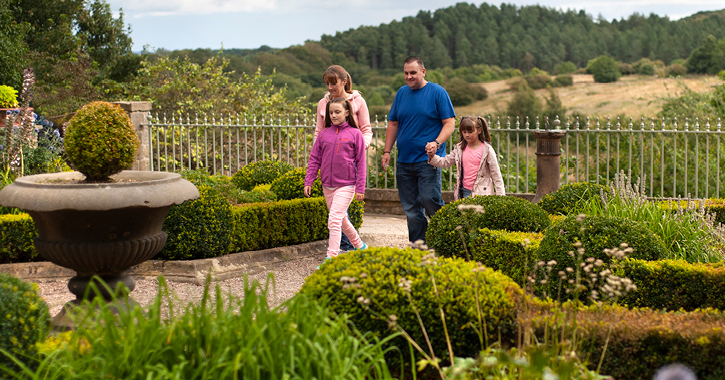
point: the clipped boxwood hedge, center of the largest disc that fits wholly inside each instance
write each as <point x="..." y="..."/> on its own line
<point x="596" y="233"/>
<point x="291" y="185"/>
<point x="500" y="213"/>
<point x="259" y="172"/>
<point x="16" y="234"/>
<point x="674" y="284"/>
<point x="198" y="229"/>
<point x="639" y="342"/>
<point x="267" y="225"/>
<point x="505" y="251"/>
<point x="571" y="197"/>
<point x="379" y="273"/>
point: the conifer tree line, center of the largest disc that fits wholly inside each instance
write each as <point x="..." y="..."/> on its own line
<point x="522" y="37"/>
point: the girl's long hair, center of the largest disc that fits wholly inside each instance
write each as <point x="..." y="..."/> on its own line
<point x="472" y="123"/>
<point x="335" y="73"/>
<point x="346" y="105"/>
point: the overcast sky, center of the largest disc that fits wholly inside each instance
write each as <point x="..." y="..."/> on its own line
<point x="181" y="24"/>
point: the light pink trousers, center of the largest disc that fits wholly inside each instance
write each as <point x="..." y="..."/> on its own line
<point x="338" y="200"/>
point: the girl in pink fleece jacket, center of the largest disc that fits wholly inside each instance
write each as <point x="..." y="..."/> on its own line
<point x="339" y="154"/>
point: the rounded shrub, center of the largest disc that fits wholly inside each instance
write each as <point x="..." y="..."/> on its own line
<point x="291" y="184"/>
<point x="596" y="233"/>
<point x="8" y="97"/>
<point x="374" y="284"/>
<point x="198" y="229"/>
<point x="570" y="197"/>
<point x="499" y="213"/>
<point x="101" y="140"/>
<point x="260" y="172"/>
<point x="511" y="253"/>
<point x="24" y="318"/>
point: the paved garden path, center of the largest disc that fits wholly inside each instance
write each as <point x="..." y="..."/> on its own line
<point x="377" y="230"/>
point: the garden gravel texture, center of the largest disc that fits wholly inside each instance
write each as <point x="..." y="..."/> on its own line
<point x="380" y="230"/>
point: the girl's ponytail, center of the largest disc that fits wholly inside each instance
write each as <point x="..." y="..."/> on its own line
<point x="484" y="136"/>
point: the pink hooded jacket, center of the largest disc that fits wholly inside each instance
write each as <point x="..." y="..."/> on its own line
<point x="339" y="154"/>
<point x="487" y="171"/>
<point x="360" y="113"/>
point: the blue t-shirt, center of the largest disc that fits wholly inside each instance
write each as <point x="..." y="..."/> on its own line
<point x="419" y="114"/>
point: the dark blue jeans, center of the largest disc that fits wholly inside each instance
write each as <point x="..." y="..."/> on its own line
<point x="465" y="193"/>
<point x="419" y="188"/>
<point x="345" y="244"/>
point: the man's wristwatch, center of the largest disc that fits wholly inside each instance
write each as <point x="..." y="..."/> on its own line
<point x="438" y="145"/>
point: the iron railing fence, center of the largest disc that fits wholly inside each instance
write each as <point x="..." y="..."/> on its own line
<point x="676" y="157"/>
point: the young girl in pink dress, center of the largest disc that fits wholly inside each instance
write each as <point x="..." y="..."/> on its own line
<point x="339" y="154"/>
<point x="477" y="170"/>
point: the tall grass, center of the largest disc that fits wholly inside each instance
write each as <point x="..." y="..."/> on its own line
<point x="219" y="338"/>
<point x="688" y="233"/>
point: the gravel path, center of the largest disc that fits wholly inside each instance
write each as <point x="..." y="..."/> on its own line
<point x="388" y="231"/>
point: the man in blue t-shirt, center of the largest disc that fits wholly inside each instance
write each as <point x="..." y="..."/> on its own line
<point x="420" y="118"/>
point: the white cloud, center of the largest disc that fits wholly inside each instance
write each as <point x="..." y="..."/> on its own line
<point x="141" y="8"/>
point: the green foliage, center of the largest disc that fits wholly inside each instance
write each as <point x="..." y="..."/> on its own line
<point x="403" y="282"/>
<point x="564" y="68"/>
<point x="511" y="253"/>
<point x="220" y="337"/>
<point x="13" y="48"/>
<point x="278" y="224"/>
<point x="708" y="58"/>
<point x="101" y="141"/>
<point x="596" y="233"/>
<point x="570" y="198"/>
<point x="8" y="97"/>
<point x="554" y="107"/>
<point x="16" y="236"/>
<point x="499" y="213"/>
<point x="290" y="185"/>
<point x="644" y="67"/>
<point x="673" y="284"/>
<point x="260" y="172"/>
<point x="198" y="229"/>
<point x="676" y="70"/>
<point x="538" y="79"/>
<point x="224" y="186"/>
<point x="181" y="86"/>
<point x="530" y="362"/>
<point x="463" y="93"/>
<point x="694" y="104"/>
<point x="604" y="68"/>
<point x="64" y="86"/>
<point x="524" y="103"/>
<point x="686" y="231"/>
<point x="563" y="81"/>
<point x="25" y="319"/>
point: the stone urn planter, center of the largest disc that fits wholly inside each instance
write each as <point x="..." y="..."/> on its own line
<point x="98" y="229"/>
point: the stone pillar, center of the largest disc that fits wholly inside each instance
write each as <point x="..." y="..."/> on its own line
<point x="548" y="150"/>
<point x="139" y="114"/>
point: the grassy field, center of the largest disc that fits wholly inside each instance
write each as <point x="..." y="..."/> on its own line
<point x="633" y="95"/>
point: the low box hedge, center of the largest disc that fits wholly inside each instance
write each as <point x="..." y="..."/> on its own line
<point x="256" y="226"/>
<point x="16" y="239"/>
<point x="506" y="251"/>
<point x="674" y="284"/>
<point x="639" y="341"/>
<point x="276" y="224"/>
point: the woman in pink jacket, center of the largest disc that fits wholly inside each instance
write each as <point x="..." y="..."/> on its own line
<point x="477" y="170"/>
<point x="339" y="85"/>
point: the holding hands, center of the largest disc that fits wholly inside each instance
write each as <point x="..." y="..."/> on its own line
<point x="430" y="149"/>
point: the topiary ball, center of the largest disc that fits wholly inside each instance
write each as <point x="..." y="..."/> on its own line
<point x="596" y="233"/>
<point x="101" y="141"/>
<point x="24" y="318"/>
<point x="198" y="229"/>
<point x="291" y="185"/>
<point x="571" y="197"/>
<point x="499" y="213"/>
<point x="260" y="172"/>
<point x="382" y="275"/>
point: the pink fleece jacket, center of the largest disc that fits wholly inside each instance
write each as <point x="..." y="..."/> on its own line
<point x="360" y="114"/>
<point x="339" y="154"/>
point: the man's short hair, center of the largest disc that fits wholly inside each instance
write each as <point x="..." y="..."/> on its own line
<point x="412" y="59"/>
